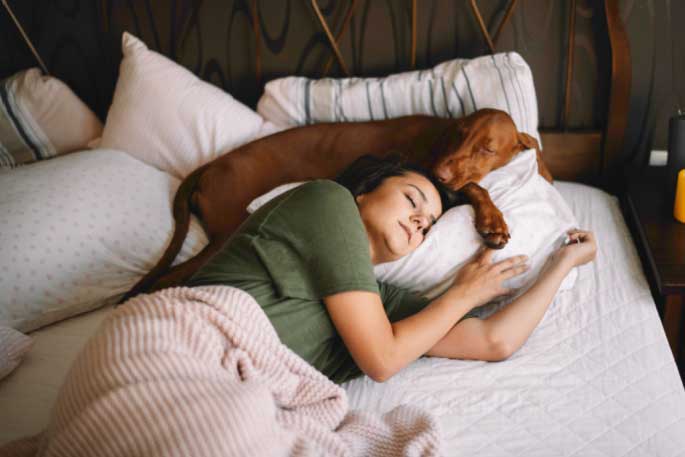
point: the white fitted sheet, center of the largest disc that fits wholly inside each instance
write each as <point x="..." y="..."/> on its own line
<point x="596" y="378"/>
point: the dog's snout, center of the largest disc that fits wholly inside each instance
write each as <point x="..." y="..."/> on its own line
<point x="443" y="174"/>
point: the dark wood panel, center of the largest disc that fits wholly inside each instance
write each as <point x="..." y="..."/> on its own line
<point x="215" y="39"/>
<point x="661" y="231"/>
<point x="673" y="318"/>
<point x="572" y="156"/>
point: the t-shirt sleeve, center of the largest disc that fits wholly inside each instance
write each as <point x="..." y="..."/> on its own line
<point x="313" y="243"/>
<point x="400" y="303"/>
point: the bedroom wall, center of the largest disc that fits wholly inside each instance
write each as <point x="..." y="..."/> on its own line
<point x="79" y="41"/>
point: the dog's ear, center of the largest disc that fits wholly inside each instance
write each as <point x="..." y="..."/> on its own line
<point x="527" y="142"/>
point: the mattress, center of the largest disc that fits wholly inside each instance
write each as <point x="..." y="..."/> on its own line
<point x="596" y="378"/>
<point x="27" y="394"/>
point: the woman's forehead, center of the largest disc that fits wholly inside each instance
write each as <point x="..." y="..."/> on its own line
<point x="424" y="186"/>
<point x="419" y="180"/>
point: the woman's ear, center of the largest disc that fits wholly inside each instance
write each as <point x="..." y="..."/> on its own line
<point x="359" y="198"/>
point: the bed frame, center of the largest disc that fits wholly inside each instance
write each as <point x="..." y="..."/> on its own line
<point x="594" y="156"/>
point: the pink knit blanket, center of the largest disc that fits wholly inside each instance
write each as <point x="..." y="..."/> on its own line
<point x="201" y="372"/>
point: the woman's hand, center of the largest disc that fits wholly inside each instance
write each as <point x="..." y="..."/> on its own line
<point x="480" y="280"/>
<point x="581" y="249"/>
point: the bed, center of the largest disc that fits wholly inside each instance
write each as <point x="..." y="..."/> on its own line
<point x="595" y="378"/>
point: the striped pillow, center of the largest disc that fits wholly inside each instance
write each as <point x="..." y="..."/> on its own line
<point x="40" y="117"/>
<point x="451" y="89"/>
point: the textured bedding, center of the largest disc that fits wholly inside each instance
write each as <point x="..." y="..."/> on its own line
<point x="596" y="377"/>
<point x="201" y="372"/>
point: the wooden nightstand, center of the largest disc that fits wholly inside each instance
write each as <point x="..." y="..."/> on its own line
<point x="660" y="240"/>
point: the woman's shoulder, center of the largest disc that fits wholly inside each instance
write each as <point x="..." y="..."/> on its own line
<point x="323" y="192"/>
<point x="325" y="186"/>
<point x="313" y="201"/>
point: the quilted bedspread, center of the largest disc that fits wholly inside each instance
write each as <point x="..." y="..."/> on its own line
<point x="596" y="378"/>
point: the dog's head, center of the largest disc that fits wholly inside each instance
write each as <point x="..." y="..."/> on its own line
<point x="476" y="144"/>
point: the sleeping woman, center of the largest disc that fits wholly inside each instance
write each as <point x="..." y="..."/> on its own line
<point x="307" y="258"/>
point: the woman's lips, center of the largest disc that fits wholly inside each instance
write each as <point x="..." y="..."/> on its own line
<point x="406" y="229"/>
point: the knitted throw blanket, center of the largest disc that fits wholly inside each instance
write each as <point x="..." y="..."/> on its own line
<point x="201" y="372"/>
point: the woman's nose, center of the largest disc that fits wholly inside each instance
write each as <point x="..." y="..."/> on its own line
<point x="420" y="222"/>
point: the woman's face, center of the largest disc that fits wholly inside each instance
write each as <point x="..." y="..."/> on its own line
<point x="398" y="214"/>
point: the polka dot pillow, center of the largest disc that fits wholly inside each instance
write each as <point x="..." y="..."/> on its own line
<point x="78" y="231"/>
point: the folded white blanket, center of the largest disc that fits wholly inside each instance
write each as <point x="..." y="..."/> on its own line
<point x="201" y="371"/>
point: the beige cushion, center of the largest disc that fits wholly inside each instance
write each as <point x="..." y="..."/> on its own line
<point x="40" y="117"/>
<point x="167" y="117"/>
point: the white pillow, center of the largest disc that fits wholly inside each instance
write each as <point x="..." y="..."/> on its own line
<point x="13" y="346"/>
<point x="537" y="216"/>
<point x="451" y="89"/>
<point x="167" y="117"/>
<point x="79" y="229"/>
<point x="535" y="212"/>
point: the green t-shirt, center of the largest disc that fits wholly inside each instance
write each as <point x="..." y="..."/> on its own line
<point x="300" y="247"/>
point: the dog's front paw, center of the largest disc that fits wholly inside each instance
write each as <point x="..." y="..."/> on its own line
<point x="493" y="229"/>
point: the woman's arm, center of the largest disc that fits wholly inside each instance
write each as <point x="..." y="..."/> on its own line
<point x="504" y="332"/>
<point x="498" y="336"/>
<point x="381" y="348"/>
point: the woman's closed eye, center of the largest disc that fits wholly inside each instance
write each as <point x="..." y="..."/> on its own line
<point x="411" y="200"/>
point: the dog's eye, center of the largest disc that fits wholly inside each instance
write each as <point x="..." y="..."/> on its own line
<point x="486" y="150"/>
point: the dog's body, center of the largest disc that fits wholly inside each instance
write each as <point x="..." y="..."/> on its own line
<point x="459" y="151"/>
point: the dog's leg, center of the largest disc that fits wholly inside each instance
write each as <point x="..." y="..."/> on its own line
<point x="490" y="222"/>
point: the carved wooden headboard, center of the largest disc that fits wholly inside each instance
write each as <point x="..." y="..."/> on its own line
<point x="577" y="50"/>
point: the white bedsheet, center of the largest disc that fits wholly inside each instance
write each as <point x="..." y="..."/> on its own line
<point x="596" y="378"/>
<point x="28" y="393"/>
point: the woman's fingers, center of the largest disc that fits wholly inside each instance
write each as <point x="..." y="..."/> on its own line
<point x="510" y="262"/>
<point x="581" y="237"/>
<point x="579" y="234"/>
<point x="514" y="271"/>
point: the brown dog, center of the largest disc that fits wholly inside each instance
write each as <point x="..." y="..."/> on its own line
<point x="459" y="151"/>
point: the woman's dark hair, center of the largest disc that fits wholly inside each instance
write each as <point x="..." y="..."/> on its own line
<point x="368" y="172"/>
